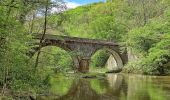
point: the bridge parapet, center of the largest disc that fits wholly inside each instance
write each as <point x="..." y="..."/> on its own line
<point x="75" y="39"/>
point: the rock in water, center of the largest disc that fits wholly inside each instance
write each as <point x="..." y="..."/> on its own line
<point x="114" y="71"/>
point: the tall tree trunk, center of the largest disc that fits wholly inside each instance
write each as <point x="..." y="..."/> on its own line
<point x="144" y="12"/>
<point x="32" y="23"/>
<point x="44" y="32"/>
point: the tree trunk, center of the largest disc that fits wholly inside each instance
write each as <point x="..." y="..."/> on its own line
<point x="44" y="32"/>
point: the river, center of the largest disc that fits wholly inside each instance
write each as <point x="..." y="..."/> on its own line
<point x="111" y="87"/>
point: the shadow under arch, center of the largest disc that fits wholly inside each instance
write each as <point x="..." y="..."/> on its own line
<point x="63" y="47"/>
<point x="116" y="55"/>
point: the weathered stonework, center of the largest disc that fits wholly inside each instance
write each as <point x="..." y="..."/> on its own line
<point x="111" y="63"/>
<point x="83" y="49"/>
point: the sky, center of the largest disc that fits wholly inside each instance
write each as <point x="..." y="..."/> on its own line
<point x="76" y="3"/>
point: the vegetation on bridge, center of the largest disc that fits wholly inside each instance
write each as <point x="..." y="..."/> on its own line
<point x="140" y="26"/>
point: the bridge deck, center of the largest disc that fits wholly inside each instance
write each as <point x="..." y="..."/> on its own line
<point x="75" y="39"/>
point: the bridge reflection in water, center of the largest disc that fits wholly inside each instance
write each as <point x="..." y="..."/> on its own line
<point x="114" y="87"/>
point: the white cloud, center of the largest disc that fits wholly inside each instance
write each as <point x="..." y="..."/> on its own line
<point x="71" y="5"/>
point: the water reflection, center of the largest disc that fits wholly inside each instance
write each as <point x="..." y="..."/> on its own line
<point x="146" y="88"/>
<point x="61" y="85"/>
<point x="113" y="87"/>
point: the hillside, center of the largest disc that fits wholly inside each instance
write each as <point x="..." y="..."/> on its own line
<point x="141" y="27"/>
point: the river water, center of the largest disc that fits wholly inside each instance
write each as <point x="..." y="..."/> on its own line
<point x="111" y="87"/>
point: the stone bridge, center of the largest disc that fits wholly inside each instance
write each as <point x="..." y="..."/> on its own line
<point x="82" y="49"/>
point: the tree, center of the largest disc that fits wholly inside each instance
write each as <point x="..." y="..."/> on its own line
<point x="16" y="72"/>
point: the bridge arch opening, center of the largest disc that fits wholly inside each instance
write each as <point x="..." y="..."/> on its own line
<point x="107" y="60"/>
<point x="57" y="58"/>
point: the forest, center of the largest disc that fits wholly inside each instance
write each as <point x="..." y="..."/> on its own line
<point x="141" y="27"/>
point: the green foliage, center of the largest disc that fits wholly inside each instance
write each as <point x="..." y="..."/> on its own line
<point x="62" y="86"/>
<point x="158" y="56"/>
<point x="55" y="58"/>
<point x="135" y="24"/>
<point x="99" y="59"/>
<point x="17" y="73"/>
<point x="98" y="86"/>
<point x="151" y="43"/>
<point x="141" y="25"/>
<point x="91" y="21"/>
<point x="13" y="48"/>
<point x="142" y="39"/>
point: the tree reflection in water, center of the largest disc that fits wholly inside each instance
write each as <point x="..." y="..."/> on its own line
<point x="114" y="87"/>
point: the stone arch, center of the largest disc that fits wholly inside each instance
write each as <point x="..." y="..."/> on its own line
<point x="65" y="48"/>
<point x="115" y="53"/>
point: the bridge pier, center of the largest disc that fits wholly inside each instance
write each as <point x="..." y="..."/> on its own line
<point x="84" y="65"/>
